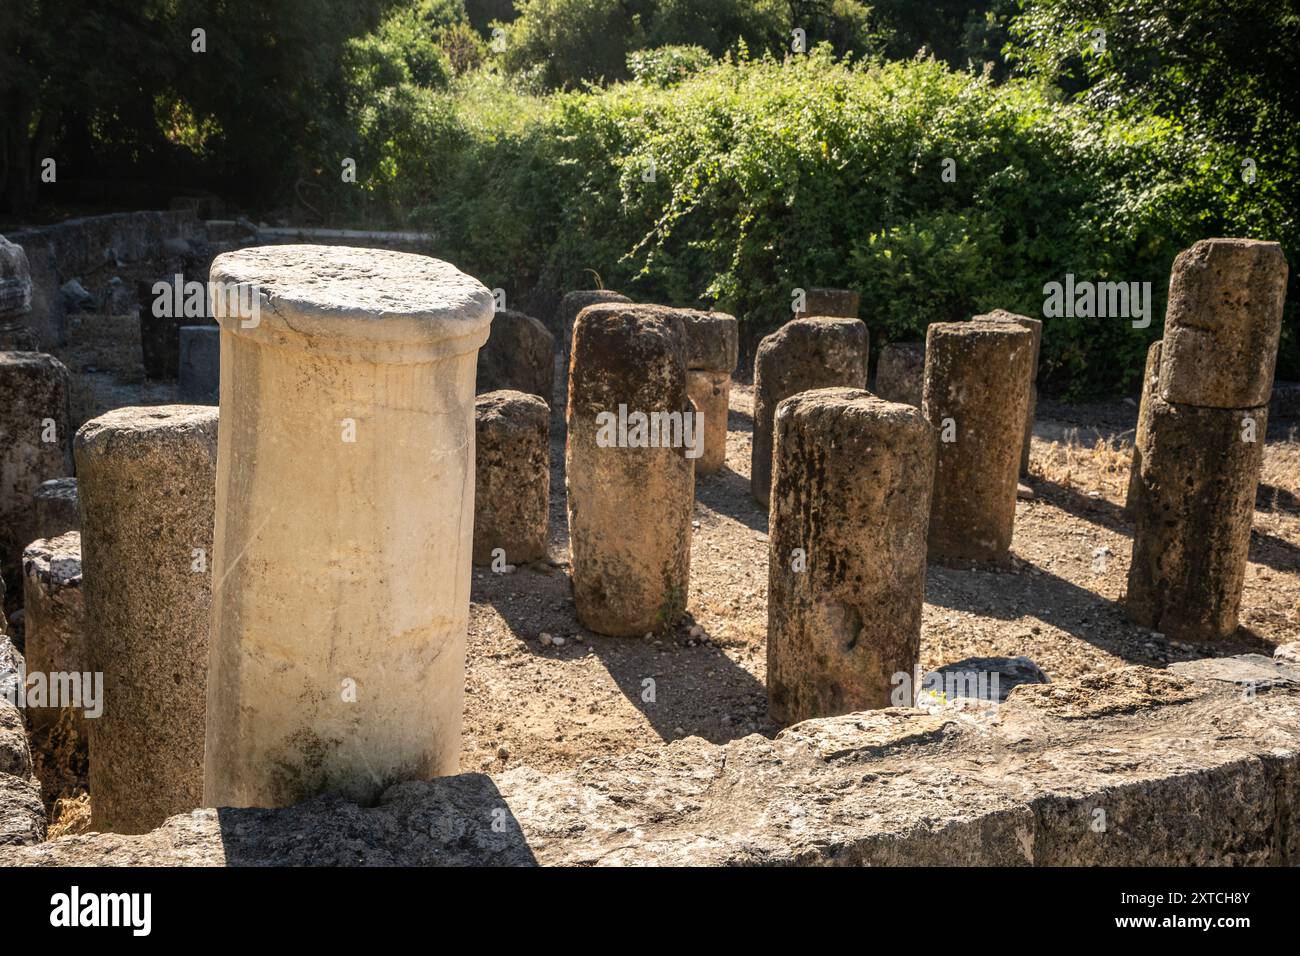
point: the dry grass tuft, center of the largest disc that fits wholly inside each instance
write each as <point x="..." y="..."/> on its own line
<point x="1102" y="467"/>
<point x="71" y="816"/>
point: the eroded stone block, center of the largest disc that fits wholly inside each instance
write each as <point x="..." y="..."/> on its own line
<point x="54" y="615"/>
<point x="146" y="477"/>
<point x="519" y="355"/>
<point x="900" y="373"/>
<point x="35" y="443"/>
<point x="806" y="353"/>
<point x="1193" y="507"/>
<point x="846" y="565"/>
<point x="1223" y="324"/>
<point x="512" y="490"/>
<point x="630" y="484"/>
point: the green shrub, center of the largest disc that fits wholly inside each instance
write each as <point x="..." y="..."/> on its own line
<point x="770" y="176"/>
<point x="718" y="26"/>
<point x="570" y="42"/>
<point x="666" y="65"/>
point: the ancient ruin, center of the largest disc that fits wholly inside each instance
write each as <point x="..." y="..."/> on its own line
<point x="1035" y="326"/>
<point x="512" y="478"/>
<point x="54" y="624"/>
<point x="977" y="377"/>
<point x="658" y="433"/>
<point x="56" y="507"/>
<point x="806" y="353"/>
<point x="900" y="373"/>
<point x="1150" y="392"/>
<point x="145" y="482"/>
<point x="37" y="443"/>
<point x="519" y="355"/>
<point x="339" y="614"/>
<point x="198" y="370"/>
<point x="15" y="297"/>
<point x="1199" y="443"/>
<point x="571" y="305"/>
<point x="628" y="468"/>
<point x="665" y="678"/>
<point x="712" y="350"/>
<point x="850" y="505"/>
<point x="839" y="303"/>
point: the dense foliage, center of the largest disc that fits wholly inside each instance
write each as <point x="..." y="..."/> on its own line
<point x="687" y="152"/>
<point x="773" y="176"/>
<point x="119" y="89"/>
<point x="1224" y="71"/>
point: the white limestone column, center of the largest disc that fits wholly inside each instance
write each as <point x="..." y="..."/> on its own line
<point x="345" y="515"/>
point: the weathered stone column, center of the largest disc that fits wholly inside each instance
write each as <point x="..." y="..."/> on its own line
<point x="712" y="350"/>
<point x="15" y="280"/>
<point x="846" y="565"/>
<point x="54" y="619"/>
<point x="631" y="486"/>
<point x="35" y="444"/>
<point x="710" y="394"/>
<point x="1193" y="508"/>
<point x="814" y="352"/>
<point x="345" y="515"/>
<point x="146" y="477"/>
<point x="519" y="354"/>
<point x="512" y="469"/>
<point x="1201" y="435"/>
<point x="838" y="303"/>
<point x="977" y="377"/>
<point x="900" y="373"/>
<point x="56" y="507"/>
<point x="160" y="330"/>
<point x="1035" y="326"/>
<point x="199" y="365"/>
<point x="1150" y="389"/>
<point x="573" y="303"/>
<point x="1223" y="324"/>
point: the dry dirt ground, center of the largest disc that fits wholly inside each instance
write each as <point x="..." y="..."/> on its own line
<point x="551" y="706"/>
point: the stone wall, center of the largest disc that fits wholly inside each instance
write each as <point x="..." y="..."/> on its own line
<point x="80" y="247"/>
<point x="1196" y="765"/>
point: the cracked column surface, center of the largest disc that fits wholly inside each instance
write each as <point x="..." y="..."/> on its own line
<point x="345" y="515"/>
<point x="145" y="482"/>
<point x="846" y="566"/>
<point x="1200" y="438"/>
<point x="631" y="488"/>
<point x="977" y="377"/>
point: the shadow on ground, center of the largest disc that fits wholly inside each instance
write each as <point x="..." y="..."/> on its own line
<point x="416" y="824"/>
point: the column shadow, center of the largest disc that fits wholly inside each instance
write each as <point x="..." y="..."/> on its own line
<point x="1052" y="599"/>
<point x="631" y="661"/>
<point x="1100" y="511"/>
<point x="727" y="493"/>
<point x="1273" y="552"/>
<point x="680" y="675"/>
<point x="1265" y="548"/>
<point x="1272" y="498"/>
<point x="462" y="820"/>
